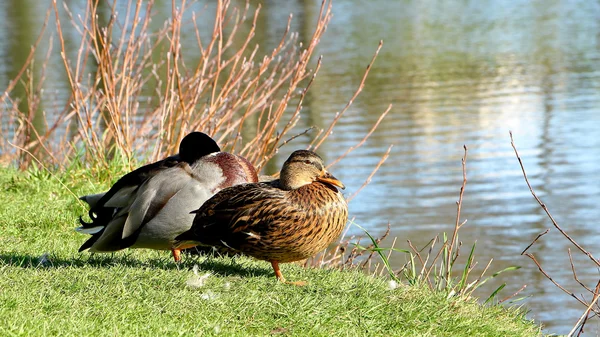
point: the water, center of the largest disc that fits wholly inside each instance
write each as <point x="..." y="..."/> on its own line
<point x="462" y="72"/>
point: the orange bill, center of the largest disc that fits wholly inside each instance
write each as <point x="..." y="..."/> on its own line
<point x="328" y="178"/>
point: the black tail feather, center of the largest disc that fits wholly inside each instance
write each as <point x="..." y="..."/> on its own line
<point x="85" y="224"/>
<point x="90" y="242"/>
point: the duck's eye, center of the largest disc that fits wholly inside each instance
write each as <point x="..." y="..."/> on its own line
<point x="307" y="162"/>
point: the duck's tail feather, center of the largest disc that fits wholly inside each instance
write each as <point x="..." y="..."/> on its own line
<point x="90" y="242"/>
<point x="92" y="199"/>
<point x="100" y="218"/>
<point x="88" y="230"/>
<point x="85" y="224"/>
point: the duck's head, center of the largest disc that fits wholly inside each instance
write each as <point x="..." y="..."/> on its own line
<point x="304" y="167"/>
<point x="197" y="145"/>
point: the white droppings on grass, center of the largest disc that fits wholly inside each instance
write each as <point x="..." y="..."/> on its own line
<point x="217" y="329"/>
<point x="208" y="295"/>
<point x="227" y="285"/>
<point x="392" y="284"/>
<point x="196" y="280"/>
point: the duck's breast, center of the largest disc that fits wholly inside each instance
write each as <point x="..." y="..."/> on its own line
<point x="228" y="169"/>
<point x="306" y="223"/>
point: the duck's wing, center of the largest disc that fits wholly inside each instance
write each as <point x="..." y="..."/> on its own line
<point x="240" y="209"/>
<point x="103" y="206"/>
<point x="122" y="190"/>
<point x="108" y="210"/>
<point x="167" y="187"/>
<point x="108" y="239"/>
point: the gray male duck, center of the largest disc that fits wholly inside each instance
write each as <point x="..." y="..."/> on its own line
<point x="150" y="206"/>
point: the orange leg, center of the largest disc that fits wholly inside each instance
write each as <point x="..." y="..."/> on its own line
<point x="278" y="273"/>
<point x="280" y="277"/>
<point x="176" y="254"/>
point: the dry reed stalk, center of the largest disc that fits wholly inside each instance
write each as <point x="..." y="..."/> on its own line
<point x="16" y="122"/>
<point x="127" y="96"/>
<point x="457" y="224"/>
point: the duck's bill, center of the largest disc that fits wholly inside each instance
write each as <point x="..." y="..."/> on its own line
<point x="328" y="178"/>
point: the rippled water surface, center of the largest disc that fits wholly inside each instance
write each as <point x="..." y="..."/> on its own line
<point x="459" y="72"/>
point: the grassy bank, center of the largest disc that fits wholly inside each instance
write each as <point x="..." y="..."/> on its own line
<point x="47" y="288"/>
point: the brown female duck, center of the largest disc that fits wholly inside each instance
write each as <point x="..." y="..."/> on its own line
<point x="285" y="220"/>
<point x="150" y="206"/>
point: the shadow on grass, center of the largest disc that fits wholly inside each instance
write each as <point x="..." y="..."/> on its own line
<point x="217" y="265"/>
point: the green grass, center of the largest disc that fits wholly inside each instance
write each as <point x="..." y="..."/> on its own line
<point x="143" y="293"/>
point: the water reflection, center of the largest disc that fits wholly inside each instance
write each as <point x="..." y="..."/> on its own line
<point x="459" y="72"/>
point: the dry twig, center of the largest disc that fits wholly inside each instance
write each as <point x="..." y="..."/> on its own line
<point x="589" y="306"/>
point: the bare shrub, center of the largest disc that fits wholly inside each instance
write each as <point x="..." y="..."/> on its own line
<point x="129" y="99"/>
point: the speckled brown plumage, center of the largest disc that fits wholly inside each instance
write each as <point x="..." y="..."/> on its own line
<point x="285" y="220"/>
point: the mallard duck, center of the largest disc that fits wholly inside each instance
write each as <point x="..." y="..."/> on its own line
<point x="285" y="220"/>
<point x="150" y="206"/>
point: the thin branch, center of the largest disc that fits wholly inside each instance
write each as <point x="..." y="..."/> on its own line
<point x="553" y="281"/>
<point x="513" y="295"/>
<point x="356" y="93"/>
<point x="368" y="180"/>
<point x="362" y="141"/>
<point x="546" y="208"/>
<point x="15" y="80"/>
<point x="534" y="240"/>
<point x="295" y="136"/>
<point x="575" y="274"/>
<point x="583" y="317"/>
<point x="458" y="209"/>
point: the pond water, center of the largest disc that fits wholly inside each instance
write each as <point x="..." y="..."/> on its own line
<point x="456" y="72"/>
